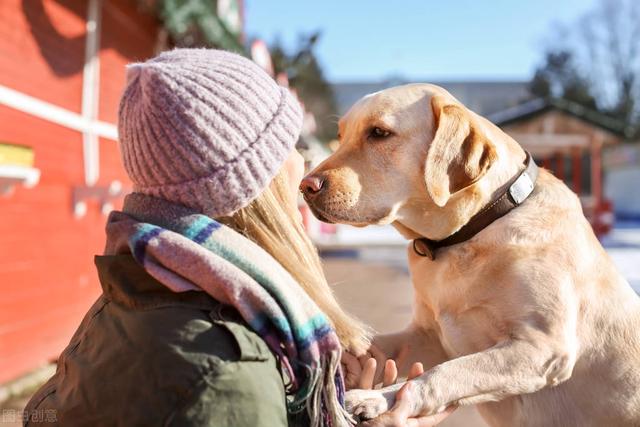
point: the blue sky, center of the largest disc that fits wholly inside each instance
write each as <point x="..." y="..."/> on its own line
<point x="429" y="40"/>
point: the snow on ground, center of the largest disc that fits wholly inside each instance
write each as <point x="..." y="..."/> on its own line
<point x="384" y="244"/>
<point x="623" y="245"/>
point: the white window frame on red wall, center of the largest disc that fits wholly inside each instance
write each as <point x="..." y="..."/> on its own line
<point x="87" y="121"/>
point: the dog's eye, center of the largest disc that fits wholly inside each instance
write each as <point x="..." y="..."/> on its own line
<point x="378" y="133"/>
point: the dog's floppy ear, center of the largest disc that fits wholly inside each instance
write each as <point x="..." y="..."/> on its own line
<point x="459" y="154"/>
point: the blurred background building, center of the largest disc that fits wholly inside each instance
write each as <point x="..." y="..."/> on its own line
<point x="61" y="75"/>
<point x="483" y="97"/>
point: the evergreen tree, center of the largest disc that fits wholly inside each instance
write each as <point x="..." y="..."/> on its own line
<point x="596" y="61"/>
<point x="194" y="23"/>
<point x="559" y="77"/>
<point x="306" y="76"/>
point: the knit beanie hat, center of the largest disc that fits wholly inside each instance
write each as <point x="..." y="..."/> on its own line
<point x="205" y="128"/>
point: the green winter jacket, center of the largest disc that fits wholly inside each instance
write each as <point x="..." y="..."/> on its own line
<point x="145" y="356"/>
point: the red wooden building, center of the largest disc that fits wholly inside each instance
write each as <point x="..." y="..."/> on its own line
<point x="61" y="74"/>
<point x="568" y="140"/>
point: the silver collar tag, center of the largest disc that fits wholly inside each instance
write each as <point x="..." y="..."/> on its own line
<point x="521" y="188"/>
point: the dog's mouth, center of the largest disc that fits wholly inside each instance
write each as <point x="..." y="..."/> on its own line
<point x="331" y="218"/>
<point x="318" y="213"/>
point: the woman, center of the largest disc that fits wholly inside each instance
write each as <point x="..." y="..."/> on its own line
<point x="215" y="309"/>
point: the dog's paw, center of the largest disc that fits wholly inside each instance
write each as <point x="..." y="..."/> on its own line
<point x="366" y="404"/>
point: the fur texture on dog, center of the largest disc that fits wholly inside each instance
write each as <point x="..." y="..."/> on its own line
<point x="529" y="319"/>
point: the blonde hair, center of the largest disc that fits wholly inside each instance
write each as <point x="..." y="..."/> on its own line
<point x="273" y="222"/>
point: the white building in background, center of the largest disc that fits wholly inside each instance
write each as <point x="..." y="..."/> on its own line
<point x="622" y="179"/>
<point x="483" y="97"/>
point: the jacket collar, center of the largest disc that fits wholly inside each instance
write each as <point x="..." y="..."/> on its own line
<point x="126" y="282"/>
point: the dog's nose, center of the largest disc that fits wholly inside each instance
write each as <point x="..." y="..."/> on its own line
<point x="311" y="185"/>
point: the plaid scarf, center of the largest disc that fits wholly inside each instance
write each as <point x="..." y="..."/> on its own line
<point x="188" y="251"/>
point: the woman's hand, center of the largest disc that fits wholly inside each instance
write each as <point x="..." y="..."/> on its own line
<point x="399" y="414"/>
<point x="362" y="376"/>
<point x="353" y="368"/>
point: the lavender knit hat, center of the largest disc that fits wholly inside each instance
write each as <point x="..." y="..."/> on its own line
<point x="205" y="128"/>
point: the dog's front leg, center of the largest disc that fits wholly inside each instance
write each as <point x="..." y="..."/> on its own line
<point x="510" y="368"/>
<point x="414" y="344"/>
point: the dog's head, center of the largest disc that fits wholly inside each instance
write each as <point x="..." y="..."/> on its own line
<point x="403" y="146"/>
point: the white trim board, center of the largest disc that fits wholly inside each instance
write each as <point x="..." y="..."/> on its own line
<point x="53" y="113"/>
<point x="91" y="93"/>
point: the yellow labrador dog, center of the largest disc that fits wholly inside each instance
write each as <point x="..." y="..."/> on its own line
<point x="527" y="317"/>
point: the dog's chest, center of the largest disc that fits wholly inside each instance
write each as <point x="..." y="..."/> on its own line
<point x="445" y="301"/>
